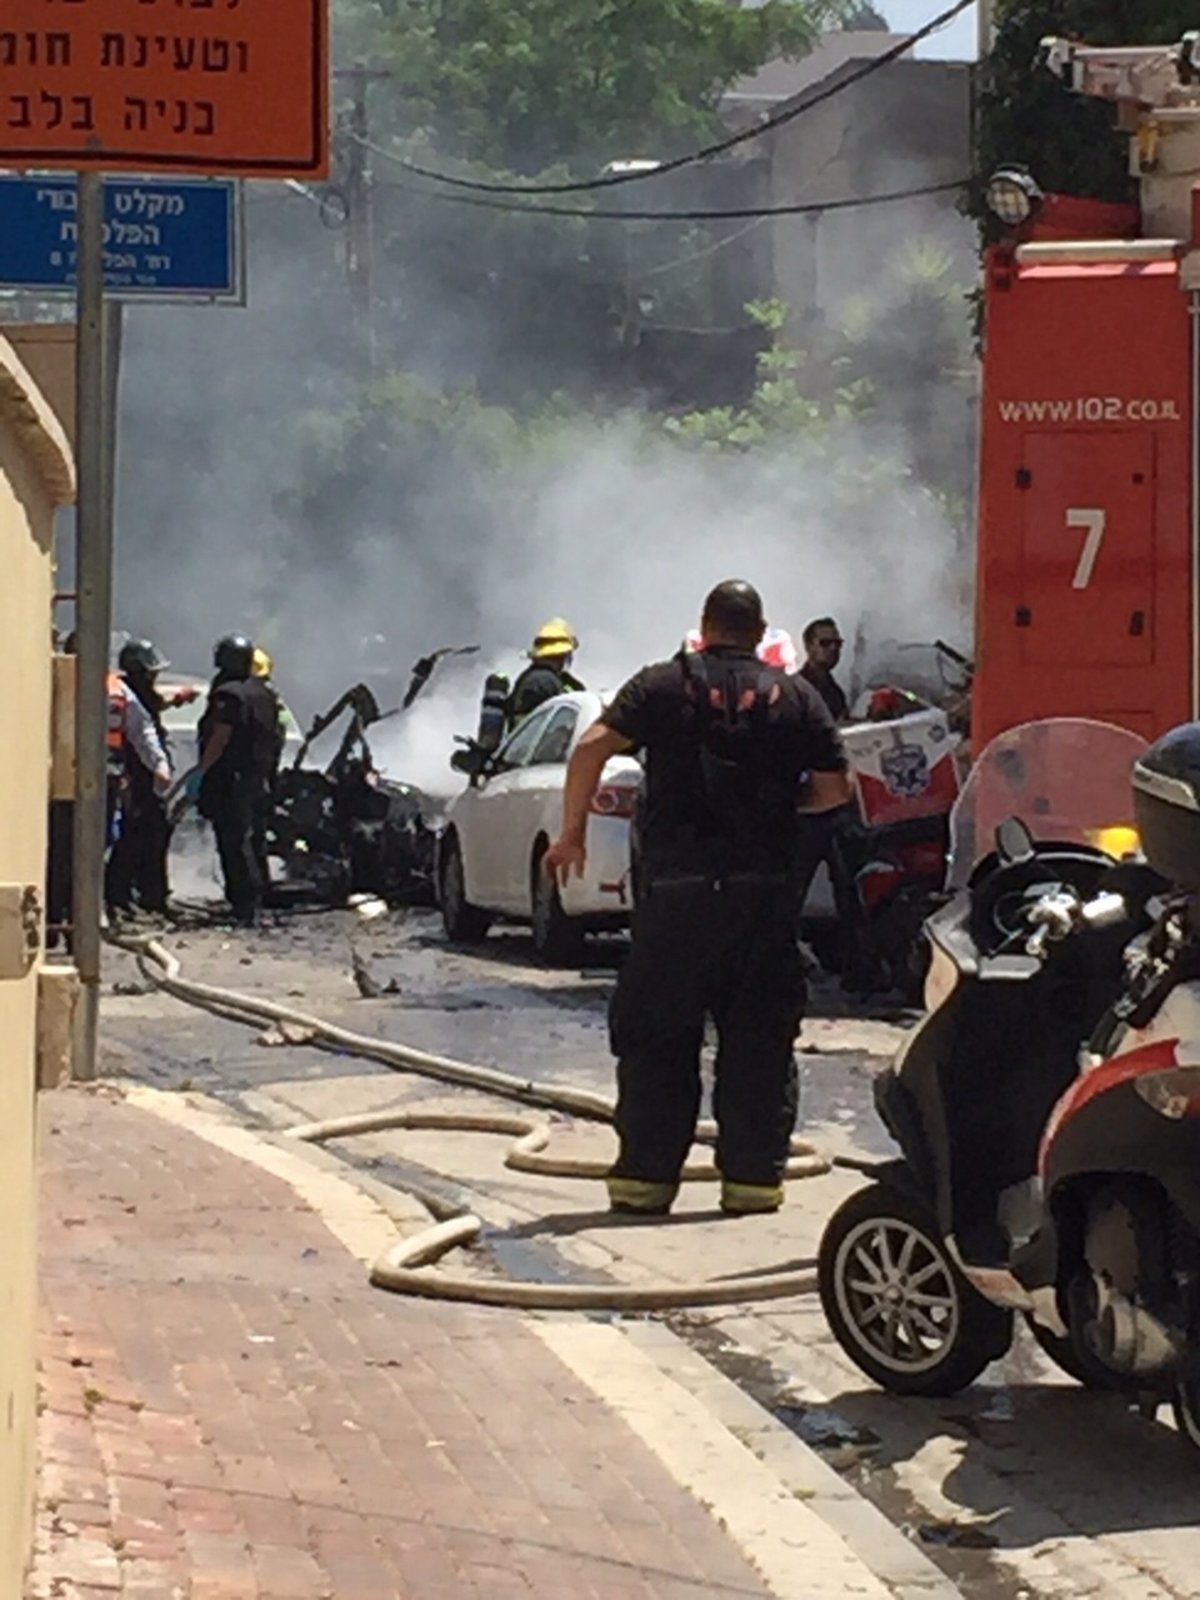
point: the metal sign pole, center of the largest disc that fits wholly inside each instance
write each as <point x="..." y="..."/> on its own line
<point x="93" y="624"/>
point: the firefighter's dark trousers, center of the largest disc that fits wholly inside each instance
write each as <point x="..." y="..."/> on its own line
<point x="239" y="820"/>
<point x="722" y="951"/>
<point x="137" y="867"/>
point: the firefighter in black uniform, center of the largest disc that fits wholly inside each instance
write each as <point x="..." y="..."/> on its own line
<point x="239" y="743"/>
<point x="548" y="672"/>
<point x="727" y="743"/>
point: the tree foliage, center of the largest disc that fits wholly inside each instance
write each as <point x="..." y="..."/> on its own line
<point x="902" y="360"/>
<point x="403" y="433"/>
<point x="1025" y="115"/>
<point x="866" y="19"/>
<point x="522" y="84"/>
<point x="786" y="405"/>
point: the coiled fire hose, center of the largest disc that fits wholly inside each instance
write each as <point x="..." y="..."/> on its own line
<point x="404" y="1268"/>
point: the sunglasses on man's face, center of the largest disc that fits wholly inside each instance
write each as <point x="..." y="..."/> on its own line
<point x="829" y="644"/>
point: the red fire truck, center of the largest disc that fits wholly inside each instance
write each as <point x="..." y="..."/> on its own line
<point x="1088" y="599"/>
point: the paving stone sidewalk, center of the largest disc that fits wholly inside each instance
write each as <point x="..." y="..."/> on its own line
<point x="229" y="1410"/>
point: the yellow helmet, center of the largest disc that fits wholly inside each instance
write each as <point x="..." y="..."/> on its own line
<point x="260" y="666"/>
<point x="1119" y="841"/>
<point x="554" y="638"/>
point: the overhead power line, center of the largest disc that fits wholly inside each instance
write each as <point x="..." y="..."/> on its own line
<point x="732" y="214"/>
<point x="675" y="163"/>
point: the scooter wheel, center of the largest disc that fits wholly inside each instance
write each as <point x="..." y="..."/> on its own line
<point x="1186" y="1405"/>
<point x="1085" y="1369"/>
<point x="896" y="1302"/>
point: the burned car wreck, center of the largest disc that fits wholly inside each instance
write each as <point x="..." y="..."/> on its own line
<point x="347" y="829"/>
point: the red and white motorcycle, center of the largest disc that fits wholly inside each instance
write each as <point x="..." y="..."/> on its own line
<point x="1048" y="1108"/>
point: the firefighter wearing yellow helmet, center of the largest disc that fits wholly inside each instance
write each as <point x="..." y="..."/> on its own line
<point x="548" y="673"/>
<point x="261" y="669"/>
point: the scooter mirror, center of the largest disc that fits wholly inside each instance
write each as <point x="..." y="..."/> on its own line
<point x="1014" y="842"/>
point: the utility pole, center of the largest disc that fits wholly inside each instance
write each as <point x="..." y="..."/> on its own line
<point x="360" y="241"/>
<point x="986" y="24"/>
<point x="93" y="624"/>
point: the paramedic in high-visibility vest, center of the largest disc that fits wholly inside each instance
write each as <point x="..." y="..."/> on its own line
<point x="728" y="740"/>
<point x="132" y="737"/>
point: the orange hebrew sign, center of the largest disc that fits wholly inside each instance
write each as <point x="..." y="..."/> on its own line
<point x="206" y="86"/>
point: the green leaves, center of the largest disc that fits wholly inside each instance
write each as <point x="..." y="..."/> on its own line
<point x="522" y="84"/>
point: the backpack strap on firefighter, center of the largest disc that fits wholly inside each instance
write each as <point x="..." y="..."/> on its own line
<point x="733" y="702"/>
<point x="721" y="693"/>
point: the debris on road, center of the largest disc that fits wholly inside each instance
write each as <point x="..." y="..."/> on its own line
<point x="286" y="1033"/>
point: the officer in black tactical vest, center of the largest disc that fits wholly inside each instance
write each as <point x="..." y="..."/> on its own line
<point x="240" y="742"/>
<point x="729" y="744"/>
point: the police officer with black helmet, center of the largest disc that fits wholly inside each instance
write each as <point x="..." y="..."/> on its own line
<point x="239" y="752"/>
<point x="728" y="743"/>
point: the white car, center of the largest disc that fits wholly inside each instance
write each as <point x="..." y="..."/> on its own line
<point x="498" y="830"/>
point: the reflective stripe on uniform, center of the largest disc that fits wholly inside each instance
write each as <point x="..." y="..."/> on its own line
<point x="639" y="1194"/>
<point x="750" y="1199"/>
<point x="117" y="693"/>
<point x="115" y="739"/>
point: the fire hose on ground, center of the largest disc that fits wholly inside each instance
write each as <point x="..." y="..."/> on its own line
<point x="404" y="1268"/>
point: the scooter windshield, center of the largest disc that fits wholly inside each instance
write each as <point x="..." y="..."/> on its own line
<point x="1066" y="778"/>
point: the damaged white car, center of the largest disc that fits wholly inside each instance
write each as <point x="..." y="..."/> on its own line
<point x="500" y="827"/>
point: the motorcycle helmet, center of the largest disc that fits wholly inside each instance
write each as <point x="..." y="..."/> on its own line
<point x="1166" y="805"/>
<point x="233" y="656"/>
<point x="140" y="656"/>
<point x="777" y="649"/>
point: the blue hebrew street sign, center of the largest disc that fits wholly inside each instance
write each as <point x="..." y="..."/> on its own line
<point x="164" y="238"/>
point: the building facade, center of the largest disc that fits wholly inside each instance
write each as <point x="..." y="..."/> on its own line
<point x="36" y="477"/>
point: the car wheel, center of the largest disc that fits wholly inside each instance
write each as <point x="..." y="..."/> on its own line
<point x="896" y="1302"/>
<point x="557" y="938"/>
<point x="463" y="922"/>
<point x="1078" y="1364"/>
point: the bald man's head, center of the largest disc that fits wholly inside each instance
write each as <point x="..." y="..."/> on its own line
<point x="733" y="615"/>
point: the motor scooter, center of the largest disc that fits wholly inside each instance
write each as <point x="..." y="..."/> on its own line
<point x="1047" y="1109"/>
<point x="890" y="857"/>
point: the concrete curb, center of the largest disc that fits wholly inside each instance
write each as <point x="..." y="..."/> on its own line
<point x="358" y="1222"/>
<point x="875" y="1541"/>
<point x="779" y="1522"/>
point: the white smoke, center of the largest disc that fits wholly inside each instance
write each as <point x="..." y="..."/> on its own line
<point x="624" y="536"/>
<point x="616" y="526"/>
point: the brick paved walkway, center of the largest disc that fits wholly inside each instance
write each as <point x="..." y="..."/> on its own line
<point x="229" y="1410"/>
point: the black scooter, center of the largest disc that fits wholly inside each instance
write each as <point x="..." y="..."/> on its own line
<point x="922" y="1271"/>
